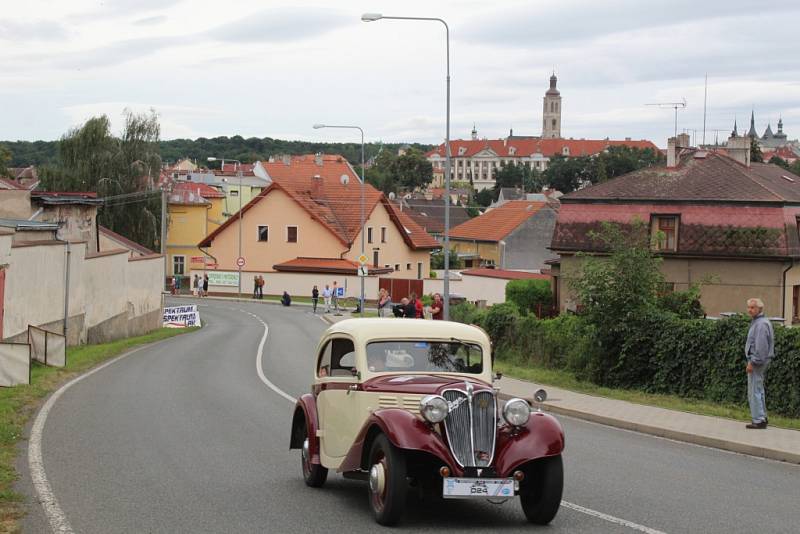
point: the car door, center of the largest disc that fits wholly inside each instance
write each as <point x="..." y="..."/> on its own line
<point x="340" y="414"/>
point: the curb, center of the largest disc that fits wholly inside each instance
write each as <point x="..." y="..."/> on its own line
<point x="677" y="435"/>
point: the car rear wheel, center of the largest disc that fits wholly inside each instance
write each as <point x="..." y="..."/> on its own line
<point x="387" y="481"/>
<point x="540" y="493"/>
<point x="313" y="474"/>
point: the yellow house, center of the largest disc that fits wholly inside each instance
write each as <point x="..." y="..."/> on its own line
<point x="310" y="214"/>
<point x="194" y="210"/>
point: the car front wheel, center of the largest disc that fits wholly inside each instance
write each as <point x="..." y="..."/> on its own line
<point x="387" y="481"/>
<point x="541" y="490"/>
<point x="313" y="474"/>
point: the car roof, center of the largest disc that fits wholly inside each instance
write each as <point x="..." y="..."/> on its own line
<point x="366" y="330"/>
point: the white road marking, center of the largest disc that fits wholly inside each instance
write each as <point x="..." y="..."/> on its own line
<point x="565" y="504"/>
<point x="52" y="510"/>
<point x="610" y="518"/>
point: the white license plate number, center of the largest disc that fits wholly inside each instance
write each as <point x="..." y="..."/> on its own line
<point x="462" y="488"/>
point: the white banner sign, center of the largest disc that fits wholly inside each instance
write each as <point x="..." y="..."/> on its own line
<point x="222" y="278"/>
<point x="181" y="316"/>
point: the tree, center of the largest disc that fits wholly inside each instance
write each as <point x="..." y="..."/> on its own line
<point x="756" y="156"/>
<point x="91" y="158"/>
<point x="518" y="176"/>
<point x="484" y="197"/>
<point x="411" y="170"/>
<point x="779" y="161"/>
<point x="437" y="259"/>
<point x="568" y="174"/>
<point x="5" y="158"/>
<point x="379" y="174"/>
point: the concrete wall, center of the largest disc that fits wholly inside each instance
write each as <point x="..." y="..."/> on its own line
<point x="472" y="288"/>
<point x="110" y="295"/>
<point x="527" y="246"/>
<point x="78" y="223"/>
<point x="15" y="204"/>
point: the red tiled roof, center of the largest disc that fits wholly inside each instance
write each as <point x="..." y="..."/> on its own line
<point x="320" y="191"/>
<point x="247" y="168"/>
<point x="6" y="183"/>
<point x="699" y="176"/>
<point x="326" y="265"/>
<point x="65" y="194"/>
<point x="526" y="147"/>
<point x="506" y="274"/>
<point x="201" y="189"/>
<point x="496" y="224"/>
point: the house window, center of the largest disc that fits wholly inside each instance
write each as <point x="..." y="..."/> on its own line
<point x="375" y="257"/>
<point x="383" y="234"/>
<point x="369" y="235"/>
<point x="666" y="232"/>
<point x="234" y="192"/>
<point x="554" y="123"/>
<point x="291" y="234"/>
<point x="408" y="266"/>
<point x="396" y="266"/>
<point x="419" y="270"/>
<point x="178" y="265"/>
<point x="263" y="233"/>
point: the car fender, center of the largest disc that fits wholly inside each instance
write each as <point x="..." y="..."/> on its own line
<point x="542" y="436"/>
<point x="305" y="413"/>
<point x="404" y="429"/>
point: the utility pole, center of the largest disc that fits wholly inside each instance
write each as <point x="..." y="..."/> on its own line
<point x="164" y="228"/>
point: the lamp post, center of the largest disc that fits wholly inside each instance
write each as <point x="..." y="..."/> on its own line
<point x="239" y="174"/>
<point x="317" y="127"/>
<point x="372" y="17"/>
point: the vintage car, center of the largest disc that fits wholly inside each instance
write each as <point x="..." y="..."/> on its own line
<point x="401" y="403"/>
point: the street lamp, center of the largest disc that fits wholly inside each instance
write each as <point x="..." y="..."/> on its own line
<point x="503" y="260"/>
<point x="317" y="127"/>
<point x="239" y="174"/>
<point x="372" y="17"/>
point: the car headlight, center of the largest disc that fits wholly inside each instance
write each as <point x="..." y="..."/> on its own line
<point x="517" y="412"/>
<point x="434" y="408"/>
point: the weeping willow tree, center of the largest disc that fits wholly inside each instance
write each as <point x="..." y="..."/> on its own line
<point x="122" y="168"/>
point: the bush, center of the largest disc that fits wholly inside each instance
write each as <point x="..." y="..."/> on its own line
<point x="499" y="321"/>
<point x="529" y="295"/>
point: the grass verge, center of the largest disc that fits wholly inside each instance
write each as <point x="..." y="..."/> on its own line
<point x="19" y="403"/>
<point x="566" y="380"/>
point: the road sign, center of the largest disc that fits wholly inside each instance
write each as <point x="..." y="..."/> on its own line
<point x="362" y="270"/>
<point x="363" y="259"/>
<point x="240" y="261"/>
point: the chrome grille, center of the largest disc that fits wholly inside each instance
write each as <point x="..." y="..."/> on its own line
<point x="471" y="425"/>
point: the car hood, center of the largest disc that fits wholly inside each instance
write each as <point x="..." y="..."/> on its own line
<point x="420" y="384"/>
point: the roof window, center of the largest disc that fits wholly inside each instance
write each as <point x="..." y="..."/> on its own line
<point x="788" y="178"/>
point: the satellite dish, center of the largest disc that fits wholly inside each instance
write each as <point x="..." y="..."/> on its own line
<point x="392" y="195"/>
<point x="344" y="179"/>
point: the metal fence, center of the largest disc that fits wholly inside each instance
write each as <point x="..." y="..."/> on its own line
<point x="47" y="347"/>
<point x="15" y="364"/>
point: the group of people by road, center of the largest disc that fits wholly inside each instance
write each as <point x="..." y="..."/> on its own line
<point x="199" y="285"/>
<point x="330" y="297"/>
<point x="258" y="287"/>
<point x="410" y="307"/>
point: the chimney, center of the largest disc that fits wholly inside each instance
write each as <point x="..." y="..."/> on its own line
<point x="684" y="141"/>
<point x="318" y="159"/>
<point x="316" y="186"/>
<point x="739" y="149"/>
<point x="672" y="156"/>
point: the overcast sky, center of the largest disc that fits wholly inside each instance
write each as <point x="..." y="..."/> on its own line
<point x="272" y="68"/>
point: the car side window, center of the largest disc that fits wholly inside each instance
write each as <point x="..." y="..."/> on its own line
<point x="324" y="362"/>
<point x="343" y="357"/>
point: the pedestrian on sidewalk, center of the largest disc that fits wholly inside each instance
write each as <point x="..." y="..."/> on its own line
<point x="326" y="296"/>
<point x="384" y="302"/>
<point x="335" y="297"/>
<point x="196" y="286"/>
<point x="315" y="298"/>
<point x="205" y="285"/>
<point x="261" y="284"/>
<point x="255" y="286"/>
<point x="437" y="308"/>
<point x="177" y="285"/>
<point x="759" y="351"/>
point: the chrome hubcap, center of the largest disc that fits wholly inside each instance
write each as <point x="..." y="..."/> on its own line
<point x="305" y="450"/>
<point x="377" y="478"/>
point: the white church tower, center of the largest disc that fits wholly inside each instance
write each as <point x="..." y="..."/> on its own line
<point x="551" y="114"/>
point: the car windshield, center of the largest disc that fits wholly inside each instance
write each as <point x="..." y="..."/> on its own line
<point x="425" y="356"/>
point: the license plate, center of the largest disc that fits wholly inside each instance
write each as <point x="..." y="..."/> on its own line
<point x="459" y="488"/>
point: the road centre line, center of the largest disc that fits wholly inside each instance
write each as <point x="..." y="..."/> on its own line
<point x="565" y="504"/>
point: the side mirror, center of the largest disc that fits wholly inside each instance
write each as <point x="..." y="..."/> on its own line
<point x="498" y="376"/>
<point x="540" y="396"/>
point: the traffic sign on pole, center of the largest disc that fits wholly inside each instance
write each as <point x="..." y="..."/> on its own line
<point x="363" y="271"/>
<point x="240" y="261"/>
<point x="363" y="259"/>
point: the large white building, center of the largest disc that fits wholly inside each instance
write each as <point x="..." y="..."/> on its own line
<point x="476" y="160"/>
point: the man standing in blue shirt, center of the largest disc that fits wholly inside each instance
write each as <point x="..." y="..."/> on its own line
<point x="759" y="351"/>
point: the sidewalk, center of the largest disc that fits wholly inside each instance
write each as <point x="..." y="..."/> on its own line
<point x="773" y="443"/>
<point x="726" y="434"/>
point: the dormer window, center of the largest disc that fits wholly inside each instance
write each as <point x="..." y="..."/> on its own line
<point x="512" y="150"/>
<point x="565" y="151"/>
<point x="462" y="150"/>
<point x="665" y="233"/>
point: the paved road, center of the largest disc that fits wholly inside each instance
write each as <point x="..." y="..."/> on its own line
<point x="185" y="437"/>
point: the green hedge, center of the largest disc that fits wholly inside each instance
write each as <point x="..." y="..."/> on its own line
<point x="660" y="353"/>
<point x="528" y="295"/>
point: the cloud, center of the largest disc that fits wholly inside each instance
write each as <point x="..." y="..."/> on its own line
<point x="41" y="30"/>
<point x="150" y="21"/>
<point x="281" y="25"/>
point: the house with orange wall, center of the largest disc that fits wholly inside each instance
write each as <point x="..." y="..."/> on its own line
<point x="310" y="212"/>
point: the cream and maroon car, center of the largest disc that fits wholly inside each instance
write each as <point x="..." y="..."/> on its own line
<point x="399" y="402"/>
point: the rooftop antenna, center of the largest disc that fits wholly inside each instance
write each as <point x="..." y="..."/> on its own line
<point x="705" y="104"/>
<point x="674" y="105"/>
